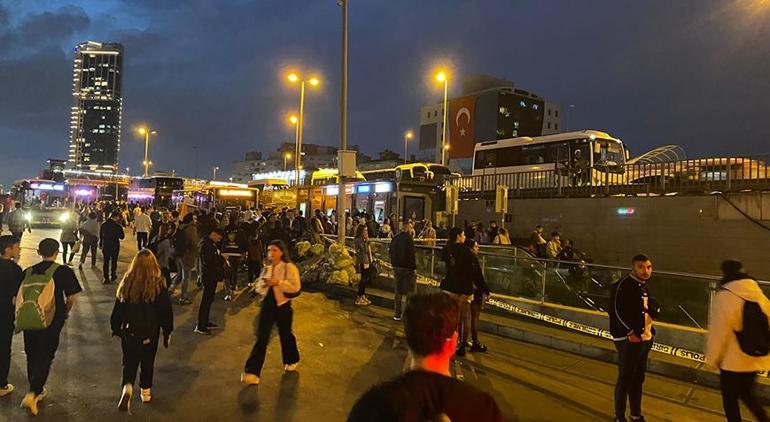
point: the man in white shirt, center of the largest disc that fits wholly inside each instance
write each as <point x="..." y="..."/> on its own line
<point x="142" y="227"/>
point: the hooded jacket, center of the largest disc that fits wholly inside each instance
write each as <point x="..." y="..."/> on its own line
<point x="722" y="348"/>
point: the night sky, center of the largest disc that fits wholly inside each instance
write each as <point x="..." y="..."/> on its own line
<point x="211" y="73"/>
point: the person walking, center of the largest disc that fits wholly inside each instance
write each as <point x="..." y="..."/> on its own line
<point x="427" y="392"/>
<point x="739" y="298"/>
<point x="402" y="257"/>
<point x="10" y="280"/>
<point x="212" y="272"/>
<point x="233" y="249"/>
<point x="480" y="294"/>
<point x="256" y="253"/>
<point x="111" y="234"/>
<point x="364" y="263"/>
<point x="186" y="254"/>
<point x="142" y="309"/>
<point x="631" y="315"/>
<point x="142" y="229"/>
<point x="17" y="222"/>
<point x="458" y="282"/>
<point x="69" y="236"/>
<point x="280" y="282"/>
<point x="89" y="233"/>
<point x="40" y="344"/>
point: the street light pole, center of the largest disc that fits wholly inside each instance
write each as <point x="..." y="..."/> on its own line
<point x="146" y="152"/>
<point x="443" y="133"/>
<point x="341" y="220"/>
<point x="215" y="168"/>
<point x="407" y="136"/>
<point x="298" y="152"/>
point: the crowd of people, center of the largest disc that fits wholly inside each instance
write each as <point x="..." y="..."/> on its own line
<point x="209" y="249"/>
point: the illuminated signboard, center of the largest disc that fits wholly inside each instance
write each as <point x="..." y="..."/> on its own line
<point x="236" y="193"/>
<point x="47" y="186"/>
<point x="383" y="187"/>
<point x="364" y="188"/>
<point x="625" y="211"/>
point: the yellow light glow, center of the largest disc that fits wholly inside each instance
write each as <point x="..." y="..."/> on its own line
<point x="236" y="193"/>
<point x="441" y="76"/>
<point x="314" y="81"/>
<point x="409" y="134"/>
<point x="293" y="120"/>
<point x="142" y="131"/>
<point x="293" y="77"/>
<point x="288" y="155"/>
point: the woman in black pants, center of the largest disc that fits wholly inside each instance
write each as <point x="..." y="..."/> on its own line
<point x="364" y="261"/>
<point x="278" y="284"/>
<point x="141" y="309"/>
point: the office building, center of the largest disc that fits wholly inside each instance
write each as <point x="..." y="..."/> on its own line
<point x="97" y="107"/>
<point x="488" y="109"/>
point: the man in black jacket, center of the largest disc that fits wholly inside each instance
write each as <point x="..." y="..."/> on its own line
<point x="402" y="257"/>
<point x="110" y="235"/>
<point x="631" y="329"/>
<point x="10" y="280"/>
<point x="212" y="272"/>
<point x="459" y="280"/>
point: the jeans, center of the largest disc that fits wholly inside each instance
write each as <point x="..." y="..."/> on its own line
<point x="740" y="385"/>
<point x="476" y="306"/>
<point x="465" y="317"/>
<point x="6" y="338"/>
<point x="136" y="355"/>
<point x="141" y="240"/>
<point x="66" y="246"/>
<point x="110" y="267"/>
<point x="404" y="285"/>
<point x="632" y="365"/>
<point x="40" y="347"/>
<point x="255" y="268"/>
<point x="281" y="316"/>
<point x="232" y="280"/>
<point x="84" y="252"/>
<point x="182" y="278"/>
<point x="207" y="298"/>
<point x="367" y="274"/>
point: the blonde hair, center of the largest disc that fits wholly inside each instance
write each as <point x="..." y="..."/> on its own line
<point x="143" y="281"/>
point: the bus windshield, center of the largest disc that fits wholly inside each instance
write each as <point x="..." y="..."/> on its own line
<point x="608" y="153"/>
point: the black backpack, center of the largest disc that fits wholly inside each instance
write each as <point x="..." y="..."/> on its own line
<point x="179" y="242"/>
<point x="755" y="337"/>
<point x="140" y="324"/>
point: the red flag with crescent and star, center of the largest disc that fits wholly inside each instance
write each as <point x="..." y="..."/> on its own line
<point x="461" y="121"/>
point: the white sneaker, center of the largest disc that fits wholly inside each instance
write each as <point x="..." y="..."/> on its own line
<point x="291" y="367"/>
<point x="125" y="398"/>
<point x="145" y="395"/>
<point x="361" y="301"/>
<point x="30" y="402"/>
<point x="8" y="389"/>
<point x="249" y="379"/>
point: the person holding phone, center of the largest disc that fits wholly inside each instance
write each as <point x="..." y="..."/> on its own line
<point x="279" y="283"/>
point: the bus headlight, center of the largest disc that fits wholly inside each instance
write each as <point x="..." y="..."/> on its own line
<point x="64" y="217"/>
<point x="28" y="216"/>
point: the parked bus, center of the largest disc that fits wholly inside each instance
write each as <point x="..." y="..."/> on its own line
<point x="554" y="159"/>
<point x="216" y="196"/>
<point x="433" y="172"/>
<point x="328" y="176"/>
<point x="275" y="193"/>
<point x="154" y="190"/>
<point x="44" y="201"/>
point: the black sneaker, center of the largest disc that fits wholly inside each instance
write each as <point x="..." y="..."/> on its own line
<point x="396" y="317"/>
<point x="228" y="298"/>
<point x="478" y="348"/>
<point x="204" y="331"/>
<point x="460" y="352"/>
<point x="637" y="418"/>
<point x="105" y="282"/>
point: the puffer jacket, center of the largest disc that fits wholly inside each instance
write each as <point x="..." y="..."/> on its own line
<point x="722" y="348"/>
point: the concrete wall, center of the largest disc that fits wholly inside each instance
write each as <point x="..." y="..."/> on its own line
<point x="687" y="233"/>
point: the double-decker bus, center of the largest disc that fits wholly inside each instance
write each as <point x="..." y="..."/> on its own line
<point x="154" y="190"/>
<point x="554" y="159"/>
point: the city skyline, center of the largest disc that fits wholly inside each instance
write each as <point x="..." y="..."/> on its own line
<point x="694" y="76"/>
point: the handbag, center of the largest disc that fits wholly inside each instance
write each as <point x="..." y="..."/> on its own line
<point x="77" y="246"/>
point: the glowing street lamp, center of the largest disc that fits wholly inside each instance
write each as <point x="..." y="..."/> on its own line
<point x="146" y="132"/>
<point x="286" y="156"/>
<point x="441" y="76"/>
<point x="294" y="78"/>
<point x="215" y="169"/>
<point x="407" y="136"/>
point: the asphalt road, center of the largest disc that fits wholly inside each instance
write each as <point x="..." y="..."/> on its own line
<point x="344" y="351"/>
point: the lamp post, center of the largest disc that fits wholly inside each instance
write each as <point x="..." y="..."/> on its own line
<point x="341" y="220"/>
<point x="215" y="169"/>
<point x="295" y="121"/>
<point x="407" y="136"/>
<point x="442" y="77"/>
<point x="293" y="78"/>
<point x="145" y="131"/>
<point x="286" y="157"/>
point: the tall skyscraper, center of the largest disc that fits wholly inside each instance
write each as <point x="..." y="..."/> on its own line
<point x="97" y="107"/>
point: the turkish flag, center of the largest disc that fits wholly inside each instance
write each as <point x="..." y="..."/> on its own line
<point x="461" y="121"/>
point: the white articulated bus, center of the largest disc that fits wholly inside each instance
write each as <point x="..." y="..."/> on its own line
<point x="553" y="160"/>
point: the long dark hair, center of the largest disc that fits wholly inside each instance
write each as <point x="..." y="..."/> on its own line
<point x="281" y="245"/>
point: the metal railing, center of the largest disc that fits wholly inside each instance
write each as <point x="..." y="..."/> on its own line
<point x="512" y="273"/>
<point x="676" y="177"/>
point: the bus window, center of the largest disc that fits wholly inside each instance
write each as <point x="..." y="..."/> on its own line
<point x="414" y="208"/>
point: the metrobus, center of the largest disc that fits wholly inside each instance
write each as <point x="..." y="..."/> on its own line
<point x="44" y="201"/>
<point x="327" y="176"/>
<point x="411" y="172"/>
<point x="275" y="193"/>
<point x="550" y="159"/>
<point x="215" y="195"/>
<point x="154" y="190"/>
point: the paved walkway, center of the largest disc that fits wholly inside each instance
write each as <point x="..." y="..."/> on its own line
<point x="344" y="350"/>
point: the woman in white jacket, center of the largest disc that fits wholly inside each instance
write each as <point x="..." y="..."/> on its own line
<point x="737" y="370"/>
<point x="281" y="282"/>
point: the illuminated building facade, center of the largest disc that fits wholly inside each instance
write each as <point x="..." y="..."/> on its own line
<point x="97" y="107"/>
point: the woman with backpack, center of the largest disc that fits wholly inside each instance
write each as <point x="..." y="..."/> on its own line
<point x="278" y="284"/>
<point x="736" y="343"/>
<point x="142" y="309"/>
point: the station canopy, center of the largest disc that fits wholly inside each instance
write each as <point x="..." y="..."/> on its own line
<point x="662" y="154"/>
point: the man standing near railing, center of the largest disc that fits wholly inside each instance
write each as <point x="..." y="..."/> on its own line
<point x="402" y="257"/>
<point x="632" y="332"/>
